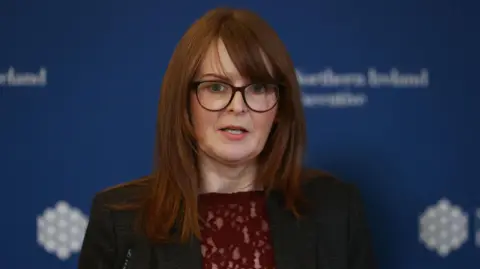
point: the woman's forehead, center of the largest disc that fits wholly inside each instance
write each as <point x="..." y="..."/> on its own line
<point x="218" y="61"/>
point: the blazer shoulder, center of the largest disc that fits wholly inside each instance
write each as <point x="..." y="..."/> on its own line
<point x="327" y="193"/>
<point x="109" y="232"/>
<point x="316" y="182"/>
<point x="119" y="205"/>
<point x="124" y="193"/>
<point x="339" y="209"/>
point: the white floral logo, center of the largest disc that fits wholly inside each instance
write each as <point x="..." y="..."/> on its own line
<point x="60" y="230"/>
<point x="443" y="227"/>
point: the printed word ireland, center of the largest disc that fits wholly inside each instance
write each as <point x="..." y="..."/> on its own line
<point x="16" y="78"/>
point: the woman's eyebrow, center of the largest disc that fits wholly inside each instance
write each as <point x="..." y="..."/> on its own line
<point x="218" y="76"/>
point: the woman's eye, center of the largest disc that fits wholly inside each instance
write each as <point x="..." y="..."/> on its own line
<point x="216" y="87"/>
<point x="258" y="88"/>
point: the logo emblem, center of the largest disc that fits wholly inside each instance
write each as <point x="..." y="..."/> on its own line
<point x="443" y="227"/>
<point x="60" y="230"/>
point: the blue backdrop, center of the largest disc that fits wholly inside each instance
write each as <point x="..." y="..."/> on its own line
<point x="390" y="91"/>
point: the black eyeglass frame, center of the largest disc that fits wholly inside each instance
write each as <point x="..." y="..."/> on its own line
<point x="240" y="89"/>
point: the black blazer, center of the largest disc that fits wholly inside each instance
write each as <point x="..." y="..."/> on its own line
<point x="334" y="234"/>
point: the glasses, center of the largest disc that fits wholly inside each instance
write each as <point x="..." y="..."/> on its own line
<point x="216" y="95"/>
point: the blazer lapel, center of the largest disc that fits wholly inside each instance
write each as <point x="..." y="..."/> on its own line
<point x="139" y="253"/>
<point x="178" y="256"/>
<point x="295" y="242"/>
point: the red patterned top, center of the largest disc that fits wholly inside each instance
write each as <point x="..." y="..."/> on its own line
<point x="235" y="234"/>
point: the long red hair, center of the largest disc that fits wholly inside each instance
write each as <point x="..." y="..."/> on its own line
<point x="171" y="201"/>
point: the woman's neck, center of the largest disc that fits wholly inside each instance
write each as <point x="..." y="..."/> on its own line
<point x="224" y="178"/>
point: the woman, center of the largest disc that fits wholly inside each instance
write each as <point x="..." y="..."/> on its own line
<point x="229" y="189"/>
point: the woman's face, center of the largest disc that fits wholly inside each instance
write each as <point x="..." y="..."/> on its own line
<point x="236" y="134"/>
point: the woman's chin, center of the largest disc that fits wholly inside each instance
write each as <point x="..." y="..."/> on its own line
<point x="236" y="158"/>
